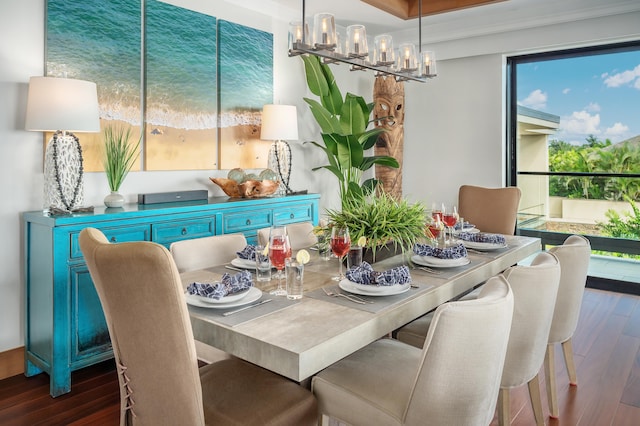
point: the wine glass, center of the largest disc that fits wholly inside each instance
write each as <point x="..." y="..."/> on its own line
<point x="434" y="228"/>
<point x="450" y="218"/>
<point x="340" y="244"/>
<point x="436" y="212"/>
<point x="279" y="251"/>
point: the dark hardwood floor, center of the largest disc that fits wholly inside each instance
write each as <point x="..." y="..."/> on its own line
<point x="606" y="349"/>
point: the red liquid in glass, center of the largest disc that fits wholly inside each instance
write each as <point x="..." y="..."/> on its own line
<point x="437" y="215"/>
<point x="435" y="231"/>
<point x="340" y="245"/>
<point x="278" y="252"/>
<point x="449" y="219"/>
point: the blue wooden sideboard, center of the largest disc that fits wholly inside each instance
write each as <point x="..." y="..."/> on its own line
<point x="65" y="327"/>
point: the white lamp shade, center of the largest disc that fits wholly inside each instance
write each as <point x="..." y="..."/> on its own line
<point x="62" y="104"/>
<point x="279" y="122"/>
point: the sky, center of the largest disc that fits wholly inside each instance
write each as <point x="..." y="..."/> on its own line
<point x="594" y="95"/>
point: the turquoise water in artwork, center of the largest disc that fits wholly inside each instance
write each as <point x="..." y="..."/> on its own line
<point x="101" y="41"/>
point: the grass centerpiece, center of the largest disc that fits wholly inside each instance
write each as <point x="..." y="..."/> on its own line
<point x="389" y="225"/>
<point x="119" y="157"/>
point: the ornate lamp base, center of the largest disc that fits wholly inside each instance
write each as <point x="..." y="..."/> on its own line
<point x="63" y="172"/>
<point x="280" y="162"/>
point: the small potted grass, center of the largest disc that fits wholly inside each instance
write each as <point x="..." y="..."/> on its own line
<point x="119" y="157"/>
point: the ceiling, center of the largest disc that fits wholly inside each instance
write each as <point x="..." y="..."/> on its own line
<point x="494" y="17"/>
<point x="409" y="9"/>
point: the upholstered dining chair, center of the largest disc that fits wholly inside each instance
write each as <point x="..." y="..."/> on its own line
<point x="491" y="210"/>
<point x="535" y="289"/>
<point x="301" y="235"/>
<point x="160" y="383"/>
<point x="453" y="380"/>
<point x="200" y="253"/>
<point x="574" y="255"/>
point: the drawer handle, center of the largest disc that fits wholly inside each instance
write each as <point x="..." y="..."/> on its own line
<point x="248" y="222"/>
<point x="184" y="231"/>
<point x="113" y="240"/>
<point x="291" y="216"/>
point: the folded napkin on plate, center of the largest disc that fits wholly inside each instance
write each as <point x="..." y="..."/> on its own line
<point x="454" y="252"/>
<point x="482" y="237"/>
<point x="248" y="253"/>
<point x="467" y="225"/>
<point x="229" y="284"/>
<point x="364" y="274"/>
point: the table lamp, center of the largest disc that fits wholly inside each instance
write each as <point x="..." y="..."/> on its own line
<point x="280" y="122"/>
<point x="62" y="105"/>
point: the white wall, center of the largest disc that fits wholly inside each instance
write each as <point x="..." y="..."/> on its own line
<point x="453" y="127"/>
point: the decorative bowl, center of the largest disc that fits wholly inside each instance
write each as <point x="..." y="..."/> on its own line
<point x="248" y="189"/>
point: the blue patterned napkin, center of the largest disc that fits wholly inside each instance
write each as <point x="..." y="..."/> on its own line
<point x="248" y="253"/>
<point x="482" y="237"/>
<point x="229" y="284"/>
<point x="364" y="274"/>
<point x="454" y="252"/>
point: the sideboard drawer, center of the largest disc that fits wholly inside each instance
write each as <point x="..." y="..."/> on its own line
<point x="169" y="232"/>
<point x="295" y="213"/>
<point x="120" y="234"/>
<point x="239" y="222"/>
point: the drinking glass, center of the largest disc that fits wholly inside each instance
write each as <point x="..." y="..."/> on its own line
<point x="450" y="218"/>
<point x="279" y="251"/>
<point x="263" y="265"/>
<point x="434" y="228"/>
<point x="295" y="278"/>
<point x="340" y="244"/>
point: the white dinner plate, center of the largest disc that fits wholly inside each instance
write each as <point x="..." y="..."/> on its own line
<point x="251" y="296"/>
<point x="373" y="290"/>
<point x="467" y="230"/>
<point x="440" y="263"/>
<point x="244" y="263"/>
<point x="483" y="246"/>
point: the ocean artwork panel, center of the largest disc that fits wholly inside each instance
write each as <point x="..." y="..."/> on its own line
<point x="245" y="57"/>
<point x="181" y="89"/>
<point x="99" y="41"/>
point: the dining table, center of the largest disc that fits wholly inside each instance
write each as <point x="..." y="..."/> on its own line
<point x="299" y="338"/>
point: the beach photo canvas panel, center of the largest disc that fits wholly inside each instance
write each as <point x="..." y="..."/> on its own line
<point x="245" y="57"/>
<point x="99" y="41"/>
<point x="180" y="86"/>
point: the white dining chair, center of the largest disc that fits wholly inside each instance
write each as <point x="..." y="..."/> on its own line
<point x="200" y="253"/>
<point x="453" y="380"/>
<point x="160" y="383"/>
<point x="574" y="256"/>
<point x="301" y="235"/>
<point x="535" y="289"/>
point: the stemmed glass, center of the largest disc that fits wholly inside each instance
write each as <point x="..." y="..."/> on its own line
<point x="279" y="251"/>
<point x="434" y="228"/>
<point x="450" y="218"/>
<point x="340" y="244"/>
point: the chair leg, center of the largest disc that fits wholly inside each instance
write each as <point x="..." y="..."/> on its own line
<point x="550" y="375"/>
<point x="504" y="405"/>
<point x="536" y="400"/>
<point x="567" y="351"/>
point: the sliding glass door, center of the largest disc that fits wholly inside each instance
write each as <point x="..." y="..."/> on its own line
<point x="574" y="150"/>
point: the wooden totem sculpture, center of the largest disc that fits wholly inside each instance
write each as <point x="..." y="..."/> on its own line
<point x="388" y="112"/>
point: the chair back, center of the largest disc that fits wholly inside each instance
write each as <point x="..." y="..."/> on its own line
<point x="143" y="302"/>
<point x="491" y="210"/>
<point x="574" y="257"/>
<point x="462" y="359"/>
<point x="535" y="289"/>
<point x="200" y="253"/>
<point x="301" y="235"/>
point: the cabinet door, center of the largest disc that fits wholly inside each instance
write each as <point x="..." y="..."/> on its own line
<point x="89" y="332"/>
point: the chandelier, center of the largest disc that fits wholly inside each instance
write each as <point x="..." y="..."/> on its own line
<point x="404" y="63"/>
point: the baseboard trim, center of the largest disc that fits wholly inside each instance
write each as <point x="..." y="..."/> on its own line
<point x="11" y="362"/>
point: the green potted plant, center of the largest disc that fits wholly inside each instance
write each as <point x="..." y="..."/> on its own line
<point x="343" y="123"/>
<point x="389" y="226"/>
<point x="119" y="157"/>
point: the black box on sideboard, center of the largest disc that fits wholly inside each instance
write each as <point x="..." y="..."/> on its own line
<point x="170" y="197"/>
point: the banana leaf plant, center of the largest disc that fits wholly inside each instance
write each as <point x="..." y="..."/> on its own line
<point x="343" y="124"/>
